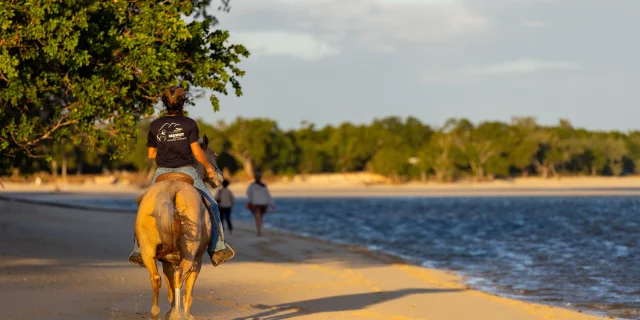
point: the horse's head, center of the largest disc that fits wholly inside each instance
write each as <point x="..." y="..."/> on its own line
<point x="212" y="158"/>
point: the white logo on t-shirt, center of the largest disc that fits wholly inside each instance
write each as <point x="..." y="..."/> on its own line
<point x="170" y="132"/>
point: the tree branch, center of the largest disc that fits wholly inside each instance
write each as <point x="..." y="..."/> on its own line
<point x="46" y="135"/>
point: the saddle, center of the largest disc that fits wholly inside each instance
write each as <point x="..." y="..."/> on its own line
<point x="176" y="176"/>
<point x="171" y="176"/>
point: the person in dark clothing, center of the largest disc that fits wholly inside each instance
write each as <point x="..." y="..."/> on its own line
<point x="173" y="142"/>
<point x="225" y="200"/>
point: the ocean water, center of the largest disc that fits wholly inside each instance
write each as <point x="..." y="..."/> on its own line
<point x="577" y="252"/>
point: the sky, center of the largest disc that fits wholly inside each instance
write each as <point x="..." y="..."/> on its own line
<point x="332" y="61"/>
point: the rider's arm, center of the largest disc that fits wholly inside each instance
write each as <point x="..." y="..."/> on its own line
<point x="193" y="136"/>
<point x="152" y="147"/>
<point x="202" y="158"/>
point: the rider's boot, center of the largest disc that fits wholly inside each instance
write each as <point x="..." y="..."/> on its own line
<point x="221" y="256"/>
<point x="135" y="257"/>
<point x="218" y="249"/>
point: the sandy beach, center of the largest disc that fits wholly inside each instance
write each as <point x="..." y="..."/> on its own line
<point x="355" y="185"/>
<point x="63" y="263"/>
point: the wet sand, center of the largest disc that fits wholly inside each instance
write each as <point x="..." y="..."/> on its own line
<point x="63" y="263"/>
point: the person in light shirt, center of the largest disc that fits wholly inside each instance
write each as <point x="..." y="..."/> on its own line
<point x="225" y="200"/>
<point x="259" y="200"/>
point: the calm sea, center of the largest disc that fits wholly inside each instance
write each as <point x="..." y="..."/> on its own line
<point x="576" y="252"/>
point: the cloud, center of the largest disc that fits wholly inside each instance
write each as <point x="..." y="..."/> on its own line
<point x="525" y="65"/>
<point x="516" y="67"/>
<point x="303" y="46"/>
<point x="416" y="23"/>
<point x="534" y="24"/>
<point x="375" y="25"/>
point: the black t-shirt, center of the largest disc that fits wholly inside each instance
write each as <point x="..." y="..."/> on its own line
<point x="172" y="136"/>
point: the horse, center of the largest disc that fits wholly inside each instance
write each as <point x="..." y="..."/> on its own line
<point x="173" y="220"/>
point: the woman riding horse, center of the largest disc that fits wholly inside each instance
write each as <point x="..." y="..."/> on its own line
<point x="173" y="141"/>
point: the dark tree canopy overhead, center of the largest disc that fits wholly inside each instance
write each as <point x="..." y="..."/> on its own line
<point x="89" y="70"/>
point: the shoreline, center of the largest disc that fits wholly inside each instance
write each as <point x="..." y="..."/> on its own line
<point x="571" y="186"/>
<point x="445" y="278"/>
<point x="460" y="278"/>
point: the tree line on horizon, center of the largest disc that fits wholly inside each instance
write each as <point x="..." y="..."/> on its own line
<point x="401" y="149"/>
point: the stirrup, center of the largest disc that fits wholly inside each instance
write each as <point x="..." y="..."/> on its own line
<point x="136" y="259"/>
<point x="221" y="256"/>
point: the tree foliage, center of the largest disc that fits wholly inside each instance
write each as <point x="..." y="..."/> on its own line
<point x="402" y="149"/>
<point x="87" y="71"/>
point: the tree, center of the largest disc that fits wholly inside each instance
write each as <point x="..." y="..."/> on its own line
<point x="547" y="155"/>
<point x="312" y="157"/>
<point x="96" y="67"/>
<point x="415" y="133"/>
<point x="481" y="146"/>
<point x="284" y="153"/>
<point x="411" y="131"/>
<point x="554" y="149"/>
<point x="218" y="141"/>
<point x="312" y="160"/>
<point x="606" y="152"/>
<point x="352" y="146"/>
<point x="138" y="155"/>
<point x="250" y="139"/>
<point x="391" y="161"/>
<point x="522" y="143"/>
<point x="438" y="156"/>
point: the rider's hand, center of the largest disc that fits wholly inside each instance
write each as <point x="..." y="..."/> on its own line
<point x="211" y="174"/>
<point x="273" y="208"/>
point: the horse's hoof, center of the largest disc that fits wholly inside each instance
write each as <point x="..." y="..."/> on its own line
<point x="155" y="311"/>
<point x="173" y="315"/>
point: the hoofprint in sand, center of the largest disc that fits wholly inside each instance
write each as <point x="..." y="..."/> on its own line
<point x="62" y="263"/>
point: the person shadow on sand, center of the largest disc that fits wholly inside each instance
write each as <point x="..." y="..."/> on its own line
<point x="351" y="302"/>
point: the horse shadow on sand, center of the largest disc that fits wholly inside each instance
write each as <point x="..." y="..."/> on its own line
<point x="350" y="302"/>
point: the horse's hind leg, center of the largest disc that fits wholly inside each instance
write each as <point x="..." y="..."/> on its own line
<point x="150" y="263"/>
<point x="179" y="275"/>
<point x="188" y="289"/>
<point x="167" y="268"/>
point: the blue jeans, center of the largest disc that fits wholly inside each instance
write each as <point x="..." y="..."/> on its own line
<point x="217" y="239"/>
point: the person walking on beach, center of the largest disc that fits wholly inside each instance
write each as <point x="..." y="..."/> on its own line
<point x="225" y="200"/>
<point x="259" y="200"/>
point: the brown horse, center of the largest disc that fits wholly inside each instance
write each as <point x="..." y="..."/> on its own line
<point x="173" y="220"/>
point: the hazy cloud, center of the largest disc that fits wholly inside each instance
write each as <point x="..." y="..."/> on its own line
<point x="303" y="46"/>
<point x="536" y="24"/>
<point x="514" y="67"/>
<point x="374" y="25"/>
<point x="520" y="66"/>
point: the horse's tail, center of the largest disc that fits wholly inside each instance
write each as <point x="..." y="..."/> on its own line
<point x="164" y="212"/>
